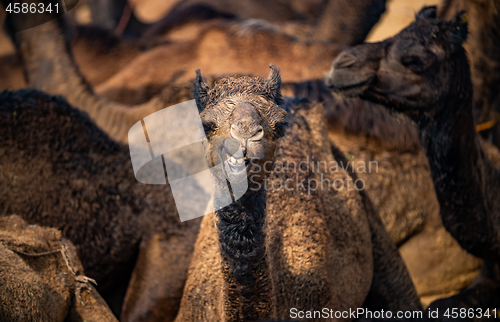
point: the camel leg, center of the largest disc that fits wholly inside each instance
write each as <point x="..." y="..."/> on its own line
<point x="158" y="279"/>
<point x="483" y="293"/>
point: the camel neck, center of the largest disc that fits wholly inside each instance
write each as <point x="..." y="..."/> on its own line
<point x="461" y="173"/>
<point x="49" y="64"/>
<point x="245" y="269"/>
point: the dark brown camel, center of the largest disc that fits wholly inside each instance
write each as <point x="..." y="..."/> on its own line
<point x="423" y="73"/>
<point x="42" y="279"/>
<point x="59" y="170"/>
<point x="275" y="249"/>
<point x="483" y="51"/>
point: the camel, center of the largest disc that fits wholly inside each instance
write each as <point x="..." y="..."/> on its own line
<point x="42" y="278"/>
<point x="59" y="170"/>
<point x="400" y="187"/>
<point x="275" y="249"/>
<point x="403" y="73"/>
<point x="483" y="52"/>
<point x="99" y="54"/>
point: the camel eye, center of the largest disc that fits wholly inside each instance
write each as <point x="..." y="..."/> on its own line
<point x="413" y="62"/>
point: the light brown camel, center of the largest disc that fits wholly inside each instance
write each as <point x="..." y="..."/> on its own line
<point x="42" y="279"/>
<point x="404" y="73"/>
<point x="279" y="248"/>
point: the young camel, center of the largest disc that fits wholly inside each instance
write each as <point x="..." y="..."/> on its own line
<point x="277" y="249"/>
<point x="404" y="73"/>
<point x="41" y="277"/>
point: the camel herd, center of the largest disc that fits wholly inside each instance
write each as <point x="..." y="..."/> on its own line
<point x="82" y="240"/>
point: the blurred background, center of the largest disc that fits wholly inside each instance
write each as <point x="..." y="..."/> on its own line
<point x="399" y="14"/>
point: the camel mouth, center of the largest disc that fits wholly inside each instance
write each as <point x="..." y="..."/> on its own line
<point x="351" y="89"/>
<point x="393" y="102"/>
<point x="234" y="165"/>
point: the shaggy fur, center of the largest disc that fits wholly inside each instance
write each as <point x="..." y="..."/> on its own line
<point x="483" y="51"/>
<point x="400" y="187"/>
<point x="426" y="54"/>
<point x="42" y="279"/>
<point x="58" y="169"/>
<point x="268" y="252"/>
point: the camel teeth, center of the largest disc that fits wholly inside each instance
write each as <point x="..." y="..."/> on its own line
<point x="232" y="160"/>
<point x="240" y="161"/>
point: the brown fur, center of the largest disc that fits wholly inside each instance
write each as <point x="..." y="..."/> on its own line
<point x="100" y="54"/>
<point x="220" y="50"/>
<point x="241" y="47"/>
<point x="41" y="278"/>
<point x="97" y="52"/>
<point x="401" y="189"/>
<point x="318" y="20"/>
<point x="11" y="70"/>
<point x="483" y="51"/>
<point x="319" y="251"/>
<point x="83" y="184"/>
<point x="402" y="73"/>
<point x="119" y="120"/>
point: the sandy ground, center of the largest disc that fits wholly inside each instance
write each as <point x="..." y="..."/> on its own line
<point x="398" y="15"/>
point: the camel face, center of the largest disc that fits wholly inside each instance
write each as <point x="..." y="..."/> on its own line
<point x="407" y="72"/>
<point x="243" y="121"/>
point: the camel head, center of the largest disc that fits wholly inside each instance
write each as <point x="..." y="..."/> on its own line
<point x="412" y="72"/>
<point x="243" y="121"/>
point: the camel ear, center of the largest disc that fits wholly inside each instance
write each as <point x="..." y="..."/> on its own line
<point x="274" y="84"/>
<point x="427" y="12"/>
<point x="201" y="90"/>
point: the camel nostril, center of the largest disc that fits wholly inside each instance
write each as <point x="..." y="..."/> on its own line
<point x="344" y="60"/>
<point x="252" y="133"/>
<point x="236" y="134"/>
<point x="259" y="134"/>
